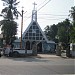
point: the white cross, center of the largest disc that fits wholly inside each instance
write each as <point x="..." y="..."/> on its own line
<point x="34" y="5"/>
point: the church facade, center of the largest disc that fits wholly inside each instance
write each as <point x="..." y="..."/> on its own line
<point x="34" y="35"/>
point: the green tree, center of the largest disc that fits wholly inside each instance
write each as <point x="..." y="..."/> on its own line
<point x="72" y="34"/>
<point x="64" y="35"/>
<point x="72" y="11"/>
<point x="9" y="30"/>
<point x="10" y="9"/>
<point x="51" y="32"/>
<point x="64" y="31"/>
<point x="47" y="31"/>
<point x="9" y="26"/>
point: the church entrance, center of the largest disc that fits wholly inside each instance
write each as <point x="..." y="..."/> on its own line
<point x="27" y="45"/>
<point x="39" y="47"/>
<point x="32" y="44"/>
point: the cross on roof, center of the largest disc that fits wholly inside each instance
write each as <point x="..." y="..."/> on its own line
<point x="34" y="5"/>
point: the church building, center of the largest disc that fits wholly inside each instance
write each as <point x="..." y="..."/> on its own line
<point x="34" y="34"/>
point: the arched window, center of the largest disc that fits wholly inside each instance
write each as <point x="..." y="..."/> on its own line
<point x="28" y="45"/>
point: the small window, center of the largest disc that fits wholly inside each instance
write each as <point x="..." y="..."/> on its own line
<point x="40" y="38"/>
<point x="40" y="34"/>
<point x="30" y="30"/>
<point x="37" y="38"/>
<point x="37" y="27"/>
<point x="33" y="34"/>
<point x="37" y="34"/>
<point x="34" y="23"/>
<point x="30" y="38"/>
<point x="33" y="38"/>
<point x="26" y="34"/>
<point x="30" y="34"/>
<point x="33" y="27"/>
<point x="37" y="31"/>
<point x="26" y="37"/>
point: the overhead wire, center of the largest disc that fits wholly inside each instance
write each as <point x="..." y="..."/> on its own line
<point x="41" y="3"/>
<point x="47" y="14"/>
<point x="38" y="7"/>
<point x="41" y="7"/>
<point x="52" y="15"/>
<point x="52" y="18"/>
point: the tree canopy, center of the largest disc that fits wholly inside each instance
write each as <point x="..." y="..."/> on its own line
<point x="8" y="25"/>
<point x="63" y="31"/>
<point x="10" y="9"/>
<point x="51" y="32"/>
<point x="72" y="13"/>
<point x="59" y="31"/>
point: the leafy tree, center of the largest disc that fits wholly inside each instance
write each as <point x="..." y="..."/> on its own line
<point x="63" y="31"/>
<point x="9" y="30"/>
<point x="72" y="34"/>
<point x="47" y="31"/>
<point x="51" y="32"/>
<point x="72" y="11"/>
<point x="10" y="9"/>
<point x="9" y="26"/>
<point x="64" y="35"/>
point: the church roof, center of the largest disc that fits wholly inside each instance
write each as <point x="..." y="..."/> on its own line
<point x="34" y="31"/>
<point x="50" y="42"/>
<point x="18" y="40"/>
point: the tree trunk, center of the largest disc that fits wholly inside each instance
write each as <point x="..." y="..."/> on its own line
<point x="68" y="52"/>
<point x="58" y="50"/>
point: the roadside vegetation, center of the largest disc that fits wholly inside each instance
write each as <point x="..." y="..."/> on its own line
<point x="8" y="24"/>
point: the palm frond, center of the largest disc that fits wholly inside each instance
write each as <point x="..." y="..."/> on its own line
<point x="14" y="1"/>
<point x="17" y="3"/>
<point x="5" y="10"/>
<point x="6" y="1"/>
<point x="11" y="6"/>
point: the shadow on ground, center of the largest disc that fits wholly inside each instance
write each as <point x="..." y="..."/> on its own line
<point x="27" y="59"/>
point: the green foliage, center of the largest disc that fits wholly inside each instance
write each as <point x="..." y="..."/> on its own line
<point x="72" y="34"/>
<point x="51" y="32"/>
<point x="64" y="31"/>
<point x="10" y="9"/>
<point x="61" y="31"/>
<point x="1" y="43"/>
<point x="47" y="31"/>
<point x="8" y="25"/>
<point x="72" y="13"/>
<point x="9" y="29"/>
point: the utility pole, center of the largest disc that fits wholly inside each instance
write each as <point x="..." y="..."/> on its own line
<point x="21" y="29"/>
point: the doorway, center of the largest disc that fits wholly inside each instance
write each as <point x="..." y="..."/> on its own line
<point x="32" y="44"/>
<point x="27" y="45"/>
<point x="39" y="47"/>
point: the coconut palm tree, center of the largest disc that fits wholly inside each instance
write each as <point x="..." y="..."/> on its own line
<point x="10" y="9"/>
<point x="9" y="26"/>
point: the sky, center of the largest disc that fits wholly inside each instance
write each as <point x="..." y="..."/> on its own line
<point x="53" y="12"/>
